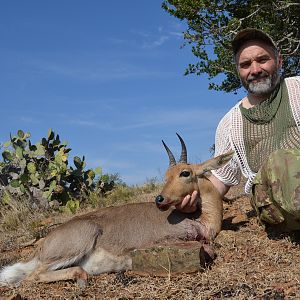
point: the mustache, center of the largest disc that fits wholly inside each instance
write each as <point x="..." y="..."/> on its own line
<point x="262" y="75"/>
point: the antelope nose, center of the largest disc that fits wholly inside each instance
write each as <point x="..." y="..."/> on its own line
<point x="159" y="199"/>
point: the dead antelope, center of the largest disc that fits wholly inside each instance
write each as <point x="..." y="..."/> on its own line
<point x="100" y="241"/>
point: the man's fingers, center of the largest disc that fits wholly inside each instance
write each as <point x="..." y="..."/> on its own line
<point x="189" y="203"/>
<point x="185" y="202"/>
<point x="194" y="198"/>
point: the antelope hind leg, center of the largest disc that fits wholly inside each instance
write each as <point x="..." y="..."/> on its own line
<point x="74" y="273"/>
<point x="103" y="261"/>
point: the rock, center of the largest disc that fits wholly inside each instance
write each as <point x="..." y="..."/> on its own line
<point x="163" y="260"/>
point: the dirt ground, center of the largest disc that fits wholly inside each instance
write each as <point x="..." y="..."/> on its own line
<point x="250" y="264"/>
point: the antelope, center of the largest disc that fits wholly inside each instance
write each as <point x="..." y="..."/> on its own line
<point x="101" y="241"/>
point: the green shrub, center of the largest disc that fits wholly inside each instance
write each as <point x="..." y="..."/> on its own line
<point x="42" y="170"/>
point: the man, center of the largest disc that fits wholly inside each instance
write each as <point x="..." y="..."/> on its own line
<point x="264" y="131"/>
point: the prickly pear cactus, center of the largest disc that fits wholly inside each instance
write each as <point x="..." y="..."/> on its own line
<point x="43" y="167"/>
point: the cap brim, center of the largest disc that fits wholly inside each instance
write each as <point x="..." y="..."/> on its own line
<point x="249" y="34"/>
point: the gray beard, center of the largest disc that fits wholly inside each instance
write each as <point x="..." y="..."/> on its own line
<point x="262" y="87"/>
<point x="265" y="86"/>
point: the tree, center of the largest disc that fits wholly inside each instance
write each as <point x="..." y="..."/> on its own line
<point x="213" y="24"/>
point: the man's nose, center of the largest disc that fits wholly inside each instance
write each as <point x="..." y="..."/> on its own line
<point x="255" y="68"/>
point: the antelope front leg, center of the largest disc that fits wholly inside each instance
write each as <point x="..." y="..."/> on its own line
<point x="74" y="273"/>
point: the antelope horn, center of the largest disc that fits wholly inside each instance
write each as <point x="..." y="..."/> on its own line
<point x="183" y="157"/>
<point x="172" y="161"/>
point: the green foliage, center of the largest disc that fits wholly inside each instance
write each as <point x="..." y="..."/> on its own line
<point x="107" y="182"/>
<point x="44" y="167"/>
<point x="212" y="25"/>
<point x="72" y="206"/>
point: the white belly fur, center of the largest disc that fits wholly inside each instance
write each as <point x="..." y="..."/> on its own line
<point x="101" y="261"/>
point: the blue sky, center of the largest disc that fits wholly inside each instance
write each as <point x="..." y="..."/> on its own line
<point x="108" y="77"/>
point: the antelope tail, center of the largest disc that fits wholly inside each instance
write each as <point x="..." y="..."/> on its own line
<point x="14" y="274"/>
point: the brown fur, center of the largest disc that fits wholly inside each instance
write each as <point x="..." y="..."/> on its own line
<point x="100" y="241"/>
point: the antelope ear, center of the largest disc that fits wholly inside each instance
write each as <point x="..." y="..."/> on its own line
<point x="214" y="163"/>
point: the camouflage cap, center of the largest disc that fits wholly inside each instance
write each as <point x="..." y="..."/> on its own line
<point x="250" y="34"/>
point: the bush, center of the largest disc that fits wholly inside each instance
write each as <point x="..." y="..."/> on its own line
<point x="42" y="171"/>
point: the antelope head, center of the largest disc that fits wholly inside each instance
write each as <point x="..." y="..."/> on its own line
<point x="181" y="178"/>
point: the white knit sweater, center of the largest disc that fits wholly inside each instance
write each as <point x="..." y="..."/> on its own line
<point x="229" y="136"/>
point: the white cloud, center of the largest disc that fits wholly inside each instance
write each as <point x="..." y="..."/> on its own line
<point x="156" y="43"/>
<point x="176" y="34"/>
<point x="106" y="164"/>
<point x="160" y="37"/>
<point x="29" y="120"/>
<point x="207" y="118"/>
<point x="176" y="117"/>
<point x="82" y="121"/>
<point x="103" y="70"/>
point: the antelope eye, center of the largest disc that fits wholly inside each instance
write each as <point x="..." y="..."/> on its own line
<point x="185" y="174"/>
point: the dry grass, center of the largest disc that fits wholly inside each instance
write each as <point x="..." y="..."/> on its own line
<point x="250" y="264"/>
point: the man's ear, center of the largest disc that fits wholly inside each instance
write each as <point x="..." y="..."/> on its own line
<point x="280" y="60"/>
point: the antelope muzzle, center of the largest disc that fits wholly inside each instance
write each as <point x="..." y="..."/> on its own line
<point x="161" y="203"/>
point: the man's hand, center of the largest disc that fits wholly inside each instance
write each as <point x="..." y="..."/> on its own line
<point x="189" y="203"/>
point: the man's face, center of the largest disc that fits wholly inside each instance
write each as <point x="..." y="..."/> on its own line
<point x="258" y="67"/>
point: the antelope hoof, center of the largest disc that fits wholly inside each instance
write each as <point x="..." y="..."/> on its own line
<point x="82" y="283"/>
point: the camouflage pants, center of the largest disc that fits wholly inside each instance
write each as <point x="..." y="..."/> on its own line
<point x="276" y="190"/>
